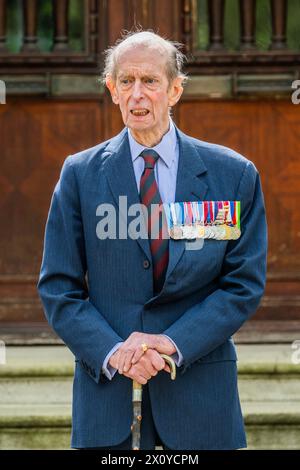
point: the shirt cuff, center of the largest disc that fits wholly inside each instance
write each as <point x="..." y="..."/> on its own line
<point x="107" y="369"/>
<point x="177" y="357"/>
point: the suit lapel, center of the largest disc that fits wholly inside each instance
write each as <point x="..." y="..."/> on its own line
<point x="121" y="178"/>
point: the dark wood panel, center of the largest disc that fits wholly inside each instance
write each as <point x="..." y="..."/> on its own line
<point x="161" y="16"/>
<point x="36" y="137"/>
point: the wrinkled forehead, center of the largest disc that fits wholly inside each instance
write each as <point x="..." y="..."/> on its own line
<point x="141" y="61"/>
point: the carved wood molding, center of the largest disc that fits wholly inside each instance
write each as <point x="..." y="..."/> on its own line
<point x="61" y="56"/>
<point x="248" y="54"/>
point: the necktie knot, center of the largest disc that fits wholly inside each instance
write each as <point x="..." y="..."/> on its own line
<point x="150" y="157"/>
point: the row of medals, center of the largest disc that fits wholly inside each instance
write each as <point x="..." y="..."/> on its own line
<point x="217" y="230"/>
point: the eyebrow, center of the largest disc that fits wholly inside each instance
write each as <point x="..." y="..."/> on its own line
<point x="149" y="75"/>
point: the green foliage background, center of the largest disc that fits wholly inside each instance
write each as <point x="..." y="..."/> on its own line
<point x="263" y="24"/>
<point x="45" y="25"/>
<point x="231" y="25"/>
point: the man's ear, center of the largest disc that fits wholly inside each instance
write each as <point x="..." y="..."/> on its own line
<point x="112" y="88"/>
<point x="175" y="91"/>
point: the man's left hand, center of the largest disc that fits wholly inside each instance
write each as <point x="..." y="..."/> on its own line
<point x="131" y="350"/>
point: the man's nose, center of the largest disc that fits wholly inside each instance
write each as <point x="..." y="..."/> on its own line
<point x="137" y="91"/>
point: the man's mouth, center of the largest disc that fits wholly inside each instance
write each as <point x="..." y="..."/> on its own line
<point x="139" y="112"/>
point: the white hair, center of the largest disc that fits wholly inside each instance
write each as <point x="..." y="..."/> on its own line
<point x="151" y="40"/>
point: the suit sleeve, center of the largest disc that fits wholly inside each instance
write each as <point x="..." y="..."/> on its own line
<point x="177" y="356"/>
<point x="207" y="325"/>
<point x="62" y="283"/>
<point x="107" y="369"/>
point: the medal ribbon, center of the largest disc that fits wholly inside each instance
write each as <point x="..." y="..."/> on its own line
<point x="190" y="212"/>
<point x="195" y="210"/>
<point x="205" y="212"/>
<point x="180" y="213"/>
<point x="238" y="214"/>
<point x="173" y="213"/>
<point x="233" y="212"/>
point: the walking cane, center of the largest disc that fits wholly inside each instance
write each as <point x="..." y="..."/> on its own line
<point x="137" y="391"/>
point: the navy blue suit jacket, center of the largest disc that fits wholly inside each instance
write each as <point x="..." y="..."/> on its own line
<point x="97" y="292"/>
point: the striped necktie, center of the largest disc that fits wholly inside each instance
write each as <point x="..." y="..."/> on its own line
<point x="157" y="223"/>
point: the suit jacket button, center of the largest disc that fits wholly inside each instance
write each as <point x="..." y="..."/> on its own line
<point x="146" y="264"/>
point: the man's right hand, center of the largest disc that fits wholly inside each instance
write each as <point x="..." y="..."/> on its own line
<point x="147" y="367"/>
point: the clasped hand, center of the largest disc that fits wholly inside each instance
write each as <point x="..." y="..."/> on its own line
<point x="132" y="362"/>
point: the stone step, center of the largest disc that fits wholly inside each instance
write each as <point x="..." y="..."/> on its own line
<point x="36" y="390"/>
<point x="58" y="390"/>
<point x="31" y="361"/>
<point x="274" y="425"/>
<point x="37" y="361"/>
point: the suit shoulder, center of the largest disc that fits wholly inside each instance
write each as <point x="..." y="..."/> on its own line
<point x="220" y="156"/>
<point x="85" y="157"/>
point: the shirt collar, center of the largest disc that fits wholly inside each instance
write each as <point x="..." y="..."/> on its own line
<point x="165" y="148"/>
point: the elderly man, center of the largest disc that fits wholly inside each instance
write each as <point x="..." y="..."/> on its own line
<point x="119" y="302"/>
